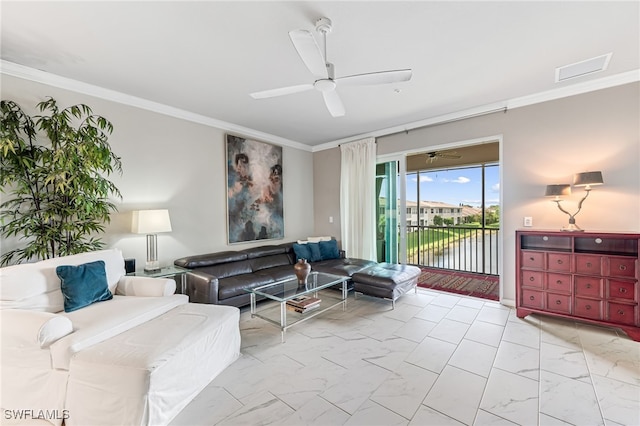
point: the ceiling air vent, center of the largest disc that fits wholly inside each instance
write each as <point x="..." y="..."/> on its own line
<point x="597" y="64"/>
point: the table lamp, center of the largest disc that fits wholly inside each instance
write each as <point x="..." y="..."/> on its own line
<point x="586" y="179"/>
<point x="151" y="222"/>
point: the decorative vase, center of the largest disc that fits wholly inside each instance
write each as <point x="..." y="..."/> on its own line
<point x="302" y="269"/>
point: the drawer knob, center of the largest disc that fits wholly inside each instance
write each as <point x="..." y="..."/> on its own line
<point x="588" y="285"/>
<point x="620" y="312"/>
<point x="623" y="267"/>
<point x="531" y="279"/>
<point x="588" y="264"/>
<point x="532" y="298"/>
<point x="532" y="259"/>
<point x="559" y="282"/>
<point x="588" y="307"/>
<point x="622" y="290"/>
<point x="559" y="261"/>
<point x="558" y="302"/>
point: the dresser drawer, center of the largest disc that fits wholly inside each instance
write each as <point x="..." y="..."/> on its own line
<point x="532" y="299"/>
<point x="532" y="279"/>
<point x="559" y="282"/>
<point x="559" y="303"/>
<point x="588" y="264"/>
<point x="621" y="313"/>
<point x="588" y="308"/>
<point x="592" y="277"/>
<point x="532" y="259"/>
<point x="559" y="262"/>
<point x="620" y="289"/>
<point x="588" y="286"/>
<point x="622" y="267"/>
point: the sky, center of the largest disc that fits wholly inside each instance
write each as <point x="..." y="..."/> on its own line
<point x="456" y="186"/>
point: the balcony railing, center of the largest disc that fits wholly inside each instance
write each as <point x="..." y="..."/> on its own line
<point x="456" y="248"/>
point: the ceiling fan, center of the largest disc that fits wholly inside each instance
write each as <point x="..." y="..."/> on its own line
<point x="326" y="83"/>
<point x="434" y="155"/>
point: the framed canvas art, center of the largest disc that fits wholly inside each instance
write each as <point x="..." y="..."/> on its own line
<point x="254" y="190"/>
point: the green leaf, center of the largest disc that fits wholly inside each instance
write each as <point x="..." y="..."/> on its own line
<point x="57" y="193"/>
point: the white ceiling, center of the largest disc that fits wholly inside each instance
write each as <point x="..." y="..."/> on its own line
<point x="203" y="58"/>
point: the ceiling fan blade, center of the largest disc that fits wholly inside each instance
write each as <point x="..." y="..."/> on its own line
<point x="381" y="77"/>
<point x="308" y="49"/>
<point x="281" y="91"/>
<point x="333" y="102"/>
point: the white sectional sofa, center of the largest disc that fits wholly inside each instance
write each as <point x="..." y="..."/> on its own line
<point x="136" y="359"/>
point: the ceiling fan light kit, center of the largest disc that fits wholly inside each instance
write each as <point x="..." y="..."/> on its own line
<point x="324" y="25"/>
<point x="316" y="62"/>
<point x="434" y="155"/>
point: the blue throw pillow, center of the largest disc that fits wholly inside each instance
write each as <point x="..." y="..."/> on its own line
<point x="302" y="251"/>
<point x="83" y="285"/>
<point x="314" y="248"/>
<point x="329" y="250"/>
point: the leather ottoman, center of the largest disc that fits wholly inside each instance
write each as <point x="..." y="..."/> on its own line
<point x="386" y="280"/>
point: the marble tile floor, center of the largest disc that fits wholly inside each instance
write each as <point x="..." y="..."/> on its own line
<point x="437" y="359"/>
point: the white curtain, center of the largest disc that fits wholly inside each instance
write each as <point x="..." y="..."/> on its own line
<point x="357" y="198"/>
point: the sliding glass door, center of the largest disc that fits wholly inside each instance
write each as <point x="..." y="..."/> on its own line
<point x="437" y="215"/>
<point x="390" y="213"/>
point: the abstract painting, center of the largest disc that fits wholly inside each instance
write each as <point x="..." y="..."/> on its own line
<point x="254" y="190"/>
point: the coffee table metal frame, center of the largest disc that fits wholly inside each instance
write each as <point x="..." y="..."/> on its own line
<point x="285" y="290"/>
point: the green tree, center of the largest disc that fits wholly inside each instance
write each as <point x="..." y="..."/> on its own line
<point x="53" y="171"/>
<point x="492" y="215"/>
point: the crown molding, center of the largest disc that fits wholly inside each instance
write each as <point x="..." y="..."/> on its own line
<point x="549" y="95"/>
<point x="43" y="77"/>
<point x="39" y="76"/>
<point x="576" y="89"/>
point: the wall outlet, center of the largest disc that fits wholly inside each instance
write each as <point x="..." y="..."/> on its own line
<point x="330" y="219"/>
<point x="528" y="221"/>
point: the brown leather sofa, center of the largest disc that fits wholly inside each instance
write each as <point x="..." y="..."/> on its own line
<point x="223" y="277"/>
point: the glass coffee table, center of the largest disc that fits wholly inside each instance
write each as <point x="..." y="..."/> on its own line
<point x="285" y="291"/>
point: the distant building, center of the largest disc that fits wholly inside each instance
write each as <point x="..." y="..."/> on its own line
<point x="424" y="214"/>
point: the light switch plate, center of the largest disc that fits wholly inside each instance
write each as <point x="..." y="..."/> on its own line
<point x="528" y="221"/>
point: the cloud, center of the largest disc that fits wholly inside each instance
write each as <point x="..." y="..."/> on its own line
<point x="459" y="179"/>
<point x="423" y="178"/>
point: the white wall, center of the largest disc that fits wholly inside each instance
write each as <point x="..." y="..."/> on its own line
<point x="541" y="144"/>
<point x="175" y="164"/>
<point x="179" y="165"/>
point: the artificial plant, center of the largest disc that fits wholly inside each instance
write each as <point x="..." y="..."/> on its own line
<point x="53" y="177"/>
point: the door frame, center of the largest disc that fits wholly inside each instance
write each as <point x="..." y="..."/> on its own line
<point x="400" y="157"/>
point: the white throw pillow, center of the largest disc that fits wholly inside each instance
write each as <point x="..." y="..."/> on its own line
<point x="318" y="239"/>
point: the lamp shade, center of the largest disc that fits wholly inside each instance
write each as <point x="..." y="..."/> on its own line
<point x="150" y="221"/>
<point x="559" y="190"/>
<point x="587" y="178"/>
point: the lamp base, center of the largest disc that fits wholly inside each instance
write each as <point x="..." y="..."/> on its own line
<point x="572" y="227"/>
<point x="152" y="266"/>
